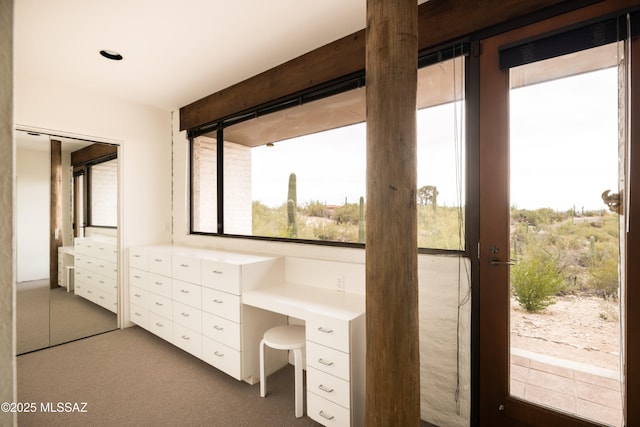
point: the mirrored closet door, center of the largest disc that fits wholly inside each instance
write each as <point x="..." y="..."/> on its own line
<point x="66" y="239"/>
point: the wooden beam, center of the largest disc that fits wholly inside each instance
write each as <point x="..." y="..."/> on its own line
<point x="92" y="152"/>
<point x="393" y="356"/>
<point x="440" y="21"/>
<point x="55" y="220"/>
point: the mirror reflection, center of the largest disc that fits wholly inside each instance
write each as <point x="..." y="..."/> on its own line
<point x="66" y="239"/>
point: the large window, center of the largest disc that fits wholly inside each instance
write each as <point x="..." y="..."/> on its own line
<point x="103" y="194"/>
<point x="300" y="172"/>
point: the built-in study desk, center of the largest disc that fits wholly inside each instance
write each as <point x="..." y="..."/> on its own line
<point x="335" y="348"/>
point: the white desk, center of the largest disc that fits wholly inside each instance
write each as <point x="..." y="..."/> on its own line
<point x="335" y="333"/>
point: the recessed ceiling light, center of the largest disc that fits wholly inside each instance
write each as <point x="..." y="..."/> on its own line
<point x="110" y="54"/>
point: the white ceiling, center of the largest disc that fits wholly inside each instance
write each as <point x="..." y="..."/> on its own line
<point x="175" y="52"/>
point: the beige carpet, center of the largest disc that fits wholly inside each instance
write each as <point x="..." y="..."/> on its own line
<point x="132" y="378"/>
<point x="47" y="317"/>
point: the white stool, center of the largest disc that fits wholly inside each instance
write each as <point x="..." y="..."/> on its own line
<point x="70" y="268"/>
<point x="286" y="337"/>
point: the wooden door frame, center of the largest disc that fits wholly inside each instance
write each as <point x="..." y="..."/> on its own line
<point x="495" y="406"/>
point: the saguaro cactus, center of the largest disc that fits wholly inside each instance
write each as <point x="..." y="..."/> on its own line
<point x="292" y="204"/>
<point x="361" y="221"/>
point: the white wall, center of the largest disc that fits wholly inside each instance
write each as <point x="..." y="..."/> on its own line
<point x="441" y="280"/>
<point x="33" y="191"/>
<point x="144" y="156"/>
<point x="7" y="181"/>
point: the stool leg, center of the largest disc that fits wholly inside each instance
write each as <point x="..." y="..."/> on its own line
<point x="263" y="378"/>
<point x="297" y="359"/>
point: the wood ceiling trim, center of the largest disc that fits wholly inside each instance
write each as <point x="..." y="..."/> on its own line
<point x="439" y="21"/>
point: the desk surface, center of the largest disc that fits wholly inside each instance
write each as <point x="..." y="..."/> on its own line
<point x="303" y="301"/>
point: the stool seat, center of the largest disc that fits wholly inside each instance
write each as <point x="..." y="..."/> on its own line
<point x="285" y="337"/>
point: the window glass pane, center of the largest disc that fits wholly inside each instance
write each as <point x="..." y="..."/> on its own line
<point x="104" y="194"/>
<point x="301" y="172"/>
<point x="307" y="187"/>
<point x="204" y="204"/>
<point x="441" y="121"/>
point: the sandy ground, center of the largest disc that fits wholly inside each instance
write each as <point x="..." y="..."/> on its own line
<point x="581" y="329"/>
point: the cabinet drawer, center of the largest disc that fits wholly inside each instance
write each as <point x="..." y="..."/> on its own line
<point x="328" y="331"/>
<point x="329" y="387"/>
<point x="188" y="340"/>
<point x="187" y="293"/>
<point x="138" y="278"/>
<point x="326" y="412"/>
<point x="222" y="357"/>
<point x="160" y="285"/>
<point x="221" y="276"/>
<point x="161" y="305"/>
<point x="161" y="326"/>
<point x="160" y="263"/>
<point x="139" y="297"/>
<point x="329" y="360"/>
<point x="139" y="316"/>
<point x="104" y="283"/>
<point x="221" y="304"/>
<point x="187" y="316"/>
<point x="106" y="268"/>
<point x="222" y="330"/>
<point x="105" y="251"/>
<point x="186" y="269"/>
<point x="139" y="258"/>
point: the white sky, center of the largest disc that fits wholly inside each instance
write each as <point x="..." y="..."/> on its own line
<point x="564" y="151"/>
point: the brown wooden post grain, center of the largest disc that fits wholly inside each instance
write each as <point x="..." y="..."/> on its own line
<point x="55" y="212"/>
<point x="393" y="379"/>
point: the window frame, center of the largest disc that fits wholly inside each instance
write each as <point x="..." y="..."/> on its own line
<point x="353" y="81"/>
<point x="87" y="172"/>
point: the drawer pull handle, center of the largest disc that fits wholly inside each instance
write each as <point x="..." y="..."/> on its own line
<point x="325" y="362"/>
<point x="218" y="353"/>
<point x="101" y="297"/>
<point x="102" y="281"/>
<point x="158" y="283"/>
<point x="137" y="295"/>
<point x="217" y="272"/>
<point x="137" y="277"/>
<point x="138" y="314"/>
<point x="218" y="301"/>
<point x="101" y="266"/>
<point x="159" y="304"/>
<point x="185" y="314"/>
<point x="218" y="328"/>
<point x="325" y="388"/>
<point x="184" y="265"/>
<point x="325" y="330"/>
<point x="136" y="256"/>
<point x="159" y="324"/>
<point x="184" y="291"/>
<point x="184" y="337"/>
<point x="157" y="260"/>
<point x="326" y="416"/>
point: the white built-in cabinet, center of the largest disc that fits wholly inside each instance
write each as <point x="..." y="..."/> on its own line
<point x="336" y="369"/>
<point x="192" y="298"/>
<point x="96" y="270"/>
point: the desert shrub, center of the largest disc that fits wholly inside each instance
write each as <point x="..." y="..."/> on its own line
<point x="535" y="281"/>
<point x="317" y="209"/>
<point x="603" y="278"/>
<point x="347" y="214"/>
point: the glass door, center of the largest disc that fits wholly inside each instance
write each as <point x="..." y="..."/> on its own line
<point x="554" y="276"/>
<point x="564" y="317"/>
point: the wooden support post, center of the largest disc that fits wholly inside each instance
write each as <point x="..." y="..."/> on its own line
<point x="55" y="239"/>
<point x="393" y="359"/>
